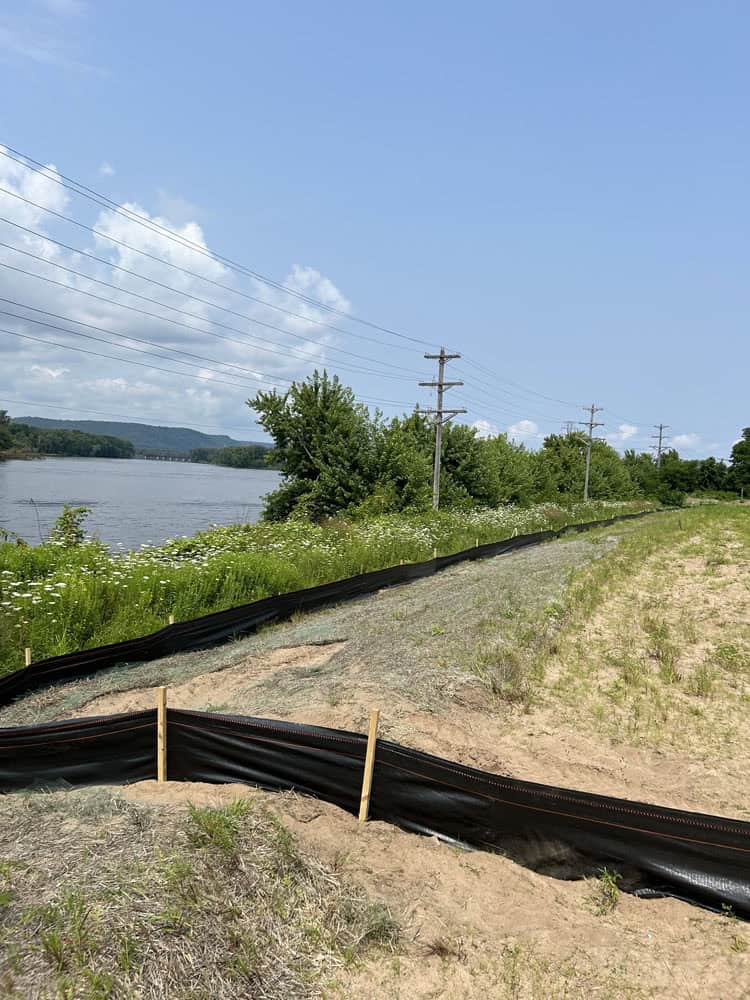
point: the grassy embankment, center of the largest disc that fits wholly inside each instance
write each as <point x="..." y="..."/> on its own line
<point x="102" y="898"/>
<point x="651" y="642"/>
<point x="57" y="599"/>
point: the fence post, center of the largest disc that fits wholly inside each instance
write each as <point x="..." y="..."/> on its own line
<point x="171" y="619"/>
<point x="434" y="553"/>
<point x="161" y="734"/>
<point x="372" y="736"/>
<point x="27" y="656"/>
<point x="476" y="543"/>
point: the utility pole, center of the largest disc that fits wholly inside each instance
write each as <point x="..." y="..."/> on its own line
<point x="659" y="446"/>
<point x="590" y="424"/>
<point x="441" y="416"/>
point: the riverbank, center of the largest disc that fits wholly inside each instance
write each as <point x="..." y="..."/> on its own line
<point x="583" y="664"/>
<point x="57" y="599"/>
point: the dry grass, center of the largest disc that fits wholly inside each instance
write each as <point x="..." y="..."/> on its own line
<point x="656" y="649"/>
<point x="101" y="898"/>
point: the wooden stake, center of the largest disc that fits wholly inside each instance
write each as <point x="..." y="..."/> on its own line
<point x="402" y="562"/>
<point x="27" y="656"/>
<point x="171" y="619"/>
<point x="476" y="543"/>
<point x="372" y="736"/>
<point x="434" y="553"/>
<point x="161" y="734"/>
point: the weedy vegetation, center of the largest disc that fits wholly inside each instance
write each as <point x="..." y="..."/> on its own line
<point x="72" y="592"/>
<point x="605" y="894"/>
<point x="114" y="900"/>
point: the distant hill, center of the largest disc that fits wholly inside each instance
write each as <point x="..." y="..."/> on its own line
<point x="145" y="437"/>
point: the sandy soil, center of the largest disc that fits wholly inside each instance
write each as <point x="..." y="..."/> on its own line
<point x="478" y="925"/>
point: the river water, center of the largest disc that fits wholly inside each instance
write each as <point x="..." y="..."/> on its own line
<point x="132" y="500"/>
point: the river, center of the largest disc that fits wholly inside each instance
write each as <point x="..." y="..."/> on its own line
<point x="132" y="501"/>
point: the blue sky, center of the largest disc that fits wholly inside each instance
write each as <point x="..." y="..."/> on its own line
<point x="557" y="190"/>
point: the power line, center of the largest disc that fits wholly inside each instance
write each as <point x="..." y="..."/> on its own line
<point x="136" y="309"/>
<point x="125" y="336"/>
<point x="166" y="319"/>
<point x="187" y="271"/>
<point x="23" y="159"/>
<point x="515" y="398"/>
<point x="169" y="371"/>
<point x="479" y="404"/>
<point x="108" y="204"/>
<point x="184" y="294"/>
<point x="125" y="361"/>
<point x="183" y="312"/>
<point x="533" y="392"/>
<point x="258" y="376"/>
<point x="75" y="187"/>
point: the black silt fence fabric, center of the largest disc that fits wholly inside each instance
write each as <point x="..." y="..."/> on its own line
<point x="278" y="756"/>
<point x="568" y="834"/>
<point x="563" y="833"/>
<point x="113" y="749"/>
<point x="210" y="630"/>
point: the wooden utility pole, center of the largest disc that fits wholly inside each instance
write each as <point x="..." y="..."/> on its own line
<point x="441" y="415"/>
<point x="659" y="446"/>
<point x="590" y="424"/>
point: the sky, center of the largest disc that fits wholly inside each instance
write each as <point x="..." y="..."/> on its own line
<point x="556" y="191"/>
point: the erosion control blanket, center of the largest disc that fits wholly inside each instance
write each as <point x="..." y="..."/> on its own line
<point x="209" y="630"/>
<point x="704" y="859"/>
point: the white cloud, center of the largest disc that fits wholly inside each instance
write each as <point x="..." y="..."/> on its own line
<point x="687" y="441"/>
<point x="106" y="169"/>
<point x="43" y="374"/>
<point x="623" y="433"/>
<point x="485" y="429"/>
<point x="524" y="431"/>
<point x="229" y="355"/>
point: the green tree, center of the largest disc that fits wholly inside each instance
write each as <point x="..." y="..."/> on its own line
<point x="325" y="445"/>
<point x="561" y="469"/>
<point x="513" y="468"/>
<point x="404" y="465"/>
<point x="643" y="472"/>
<point x="6" y="438"/>
<point x="740" y="464"/>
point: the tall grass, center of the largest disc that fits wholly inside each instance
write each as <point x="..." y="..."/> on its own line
<point x="57" y="598"/>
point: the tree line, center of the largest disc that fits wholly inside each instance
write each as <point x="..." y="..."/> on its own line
<point x="23" y="440"/>
<point x="250" y="456"/>
<point x="335" y="456"/>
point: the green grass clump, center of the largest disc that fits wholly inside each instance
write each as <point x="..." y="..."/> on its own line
<point x="606" y="891"/>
